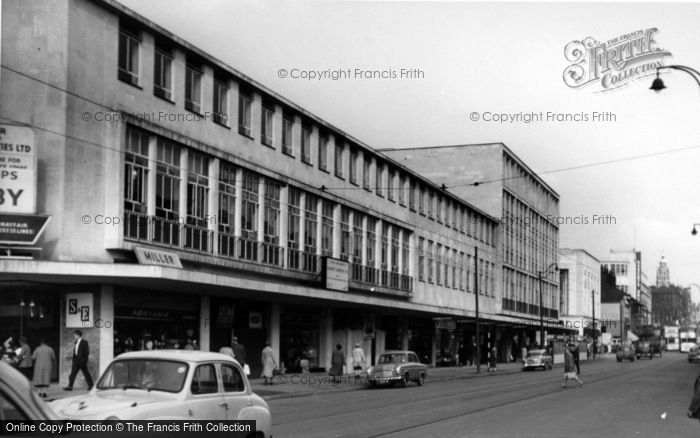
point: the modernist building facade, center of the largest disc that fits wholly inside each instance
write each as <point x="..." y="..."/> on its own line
<point x="580" y="291"/>
<point x="188" y="204"/>
<point x="493" y="178"/>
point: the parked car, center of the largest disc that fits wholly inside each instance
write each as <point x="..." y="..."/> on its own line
<point x="538" y="359"/>
<point x="643" y="349"/>
<point x="170" y="385"/>
<point x="18" y="400"/>
<point x="694" y="354"/>
<point x="445" y="360"/>
<point x="397" y="367"/>
<point x="626" y="352"/>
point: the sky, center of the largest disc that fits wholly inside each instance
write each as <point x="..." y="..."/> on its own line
<point x="477" y="61"/>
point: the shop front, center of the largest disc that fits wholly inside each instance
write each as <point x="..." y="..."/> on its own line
<point x="153" y="320"/>
<point x="300" y="338"/>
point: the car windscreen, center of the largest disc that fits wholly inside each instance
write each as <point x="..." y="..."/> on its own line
<point x="148" y="374"/>
<point x="392" y="358"/>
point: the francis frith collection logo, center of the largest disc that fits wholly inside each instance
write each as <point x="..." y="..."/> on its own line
<point x="613" y="63"/>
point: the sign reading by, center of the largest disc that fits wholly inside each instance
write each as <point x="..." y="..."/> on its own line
<point x="17" y="170"/>
<point x="148" y="256"/>
<point x="79" y="310"/>
<point x="21" y="229"/>
<point x="337" y="274"/>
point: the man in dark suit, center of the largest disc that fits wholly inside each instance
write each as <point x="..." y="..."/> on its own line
<point x="81" y="352"/>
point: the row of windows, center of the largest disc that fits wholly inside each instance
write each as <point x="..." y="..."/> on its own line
<point x="438" y="264"/>
<point x="525" y="288"/>
<point x="520" y="180"/>
<point x="381" y="177"/>
<point x="529" y="240"/>
<point x="364" y="240"/>
<point x="619" y="269"/>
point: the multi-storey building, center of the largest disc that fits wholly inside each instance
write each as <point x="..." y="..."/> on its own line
<point x="616" y="307"/>
<point x="493" y="178"/>
<point x="631" y="279"/>
<point x="672" y="305"/>
<point x="579" y="301"/>
<point x="188" y="203"/>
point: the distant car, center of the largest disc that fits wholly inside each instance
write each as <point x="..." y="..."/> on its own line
<point x="625" y="352"/>
<point x="538" y="359"/>
<point x="397" y="367"/>
<point x="18" y="400"/>
<point x="694" y="354"/>
<point x="643" y="349"/>
<point x="170" y="385"/>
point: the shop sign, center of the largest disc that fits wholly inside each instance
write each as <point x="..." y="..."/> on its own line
<point x="337" y="274"/>
<point x="255" y="320"/>
<point x="79" y="310"/>
<point x="21" y="229"/>
<point x="149" y="256"/>
<point x="224" y="319"/>
<point x="17" y="170"/>
<point x="445" y="323"/>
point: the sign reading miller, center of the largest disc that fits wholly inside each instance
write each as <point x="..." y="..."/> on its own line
<point x="613" y="63"/>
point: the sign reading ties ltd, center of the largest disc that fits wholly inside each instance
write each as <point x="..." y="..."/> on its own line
<point x="79" y="310"/>
<point x="148" y="256"/>
<point x="17" y="170"/>
<point x="337" y="274"/>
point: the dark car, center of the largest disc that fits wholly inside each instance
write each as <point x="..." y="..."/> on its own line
<point x="643" y="349"/>
<point x="18" y="401"/>
<point x="625" y="352"/>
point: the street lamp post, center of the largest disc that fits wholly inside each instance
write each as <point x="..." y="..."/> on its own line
<point x="658" y="83"/>
<point x="541" y="275"/>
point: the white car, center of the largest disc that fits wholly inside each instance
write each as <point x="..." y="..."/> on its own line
<point x="170" y="385"/>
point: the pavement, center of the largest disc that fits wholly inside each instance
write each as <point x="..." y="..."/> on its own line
<point x="301" y="385"/>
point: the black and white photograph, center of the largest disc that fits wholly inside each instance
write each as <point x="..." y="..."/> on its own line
<point x="349" y="218"/>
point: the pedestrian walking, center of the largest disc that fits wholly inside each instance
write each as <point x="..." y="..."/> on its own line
<point x="81" y="353"/>
<point x="44" y="358"/>
<point x="570" y="368"/>
<point x="24" y="358"/>
<point x="472" y="352"/>
<point x="358" y="360"/>
<point x="238" y="351"/>
<point x="493" y="359"/>
<point x="523" y="354"/>
<point x="575" y="352"/>
<point x="337" y="361"/>
<point x="269" y="364"/>
<point x="694" y="409"/>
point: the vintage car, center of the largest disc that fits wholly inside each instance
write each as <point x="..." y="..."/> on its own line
<point x="537" y="359"/>
<point x="625" y="351"/>
<point x="694" y="354"/>
<point x="643" y="349"/>
<point x="397" y="367"/>
<point x="170" y="385"/>
<point x="18" y="400"/>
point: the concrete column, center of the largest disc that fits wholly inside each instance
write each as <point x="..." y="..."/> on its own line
<point x="277" y="127"/>
<point x="152" y="171"/>
<point x="207" y="90"/>
<point x="364" y="241"/>
<point x="184" y="166"/>
<point x="237" y="222"/>
<point x="261" y="214"/>
<point x="204" y="323"/>
<point x="378" y="244"/>
<point x="233" y="96"/>
<point x="213" y="203"/>
<point x="400" y="254"/>
<point x="319" y="227"/>
<point x="284" y="223"/>
<point x="274" y="334"/>
<point x="302" y="222"/>
<point x="337" y="233"/>
<point x="325" y="348"/>
<point x="255" y="116"/>
<point x="178" y="72"/>
<point x="106" y="347"/>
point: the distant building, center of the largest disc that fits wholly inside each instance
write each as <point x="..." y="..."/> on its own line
<point x="616" y="307"/>
<point x="672" y="305"/>
<point x="579" y="299"/>
<point x="630" y="279"/>
<point x="663" y="277"/>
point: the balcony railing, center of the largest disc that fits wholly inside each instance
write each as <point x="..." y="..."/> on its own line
<point x="175" y="234"/>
